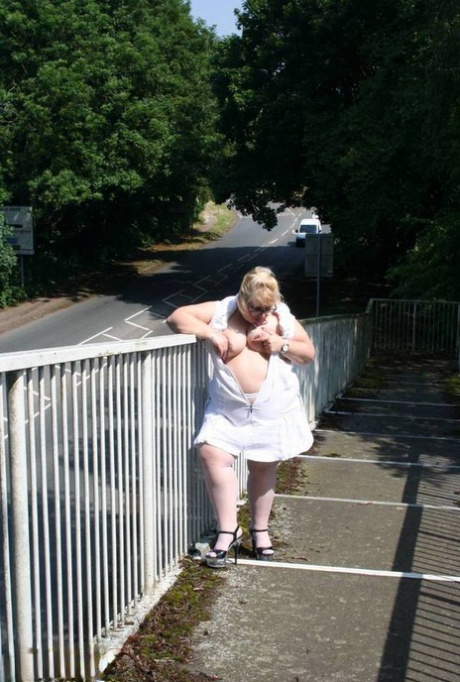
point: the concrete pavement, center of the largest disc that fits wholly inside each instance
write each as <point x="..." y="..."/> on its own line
<point x="366" y="582"/>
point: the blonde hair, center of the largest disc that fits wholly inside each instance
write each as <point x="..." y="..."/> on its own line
<point x="260" y="288"/>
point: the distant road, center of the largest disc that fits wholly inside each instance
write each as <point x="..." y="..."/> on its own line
<point x="138" y="312"/>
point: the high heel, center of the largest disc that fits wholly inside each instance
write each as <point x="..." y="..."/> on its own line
<point x="262" y="553"/>
<point x="219" y="559"/>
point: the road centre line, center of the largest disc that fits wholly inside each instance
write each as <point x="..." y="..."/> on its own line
<point x="402" y="505"/>
<point x="351" y="571"/>
<point x="393" y="416"/>
<point x="390" y="463"/>
<point x="386" y="435"/>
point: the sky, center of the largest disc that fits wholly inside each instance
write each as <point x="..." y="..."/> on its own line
<point x="218" y="13"/>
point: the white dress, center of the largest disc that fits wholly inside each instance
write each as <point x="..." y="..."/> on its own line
<point x="273" y="427"/>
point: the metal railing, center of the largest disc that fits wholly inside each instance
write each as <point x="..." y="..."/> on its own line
<point x="415" y="326"/>
<point x="100" y="491"/>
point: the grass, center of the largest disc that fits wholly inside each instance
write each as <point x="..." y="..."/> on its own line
<point x="161" y="649"/>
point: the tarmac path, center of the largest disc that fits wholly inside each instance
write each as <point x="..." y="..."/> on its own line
<point x="366" y="582"/>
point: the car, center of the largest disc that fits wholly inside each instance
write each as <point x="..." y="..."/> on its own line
<point x="307" y="226"/>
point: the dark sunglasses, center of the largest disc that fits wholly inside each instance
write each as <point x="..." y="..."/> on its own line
<point x="257" y="310"/>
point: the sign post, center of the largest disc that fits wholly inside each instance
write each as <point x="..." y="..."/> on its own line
<point x="20" y="219"/>
<point x="319" y="260"/>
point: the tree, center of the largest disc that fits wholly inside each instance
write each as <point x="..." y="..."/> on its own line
<point x="350" y="106"/>
<point x="110" y="121"/>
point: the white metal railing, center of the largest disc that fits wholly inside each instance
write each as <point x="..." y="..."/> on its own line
<point x="100" y="492"/>
<point x="420" y="326"/>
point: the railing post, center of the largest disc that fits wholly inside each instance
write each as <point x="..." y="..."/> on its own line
<point x="147" y="473"/>
<point x="20" y="520"/>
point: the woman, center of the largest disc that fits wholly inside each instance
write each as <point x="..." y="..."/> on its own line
<point x="254" y="408"/>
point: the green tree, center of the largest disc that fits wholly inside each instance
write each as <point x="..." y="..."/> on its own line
<point x="111" y="121"/>
<point x="352" y="107"/>
<point x="8" y="263"/>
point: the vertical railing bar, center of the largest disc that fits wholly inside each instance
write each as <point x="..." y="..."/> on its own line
<point x="120" y="555"/>
<point x="46" y="546"/>
<point x="131" y="547"/>
<point x="76" y="379"/>
<point x="137" y="469"/>
<point x="183" y="538"/>
<point x="111" y="418"/>
<point x="86" y="416"/>
<point x="20" y="518"/>
<point x="104" y="508"/>
<point x="147" y="517"/>
<point x="34" y="526"/>
<point x="7" y="573"/>
<point x="59" y="586"/>
<point x="176" y="460"/>
<point x="128" y="455"/>
<point x="158" y="469"/>
<point x="68" y="525"/>
<point x="95" y="372"/>
<point x="168" y="475"/>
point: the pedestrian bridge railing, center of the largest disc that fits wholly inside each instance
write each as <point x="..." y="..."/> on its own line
<point x="100" y="491"/>
<point x="415" y="326"/>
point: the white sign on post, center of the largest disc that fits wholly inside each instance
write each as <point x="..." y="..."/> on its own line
<point x="325" y="256"/>
<point x="20" y="219"/>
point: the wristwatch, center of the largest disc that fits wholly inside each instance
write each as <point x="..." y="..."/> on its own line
<point x="284" y="348"/>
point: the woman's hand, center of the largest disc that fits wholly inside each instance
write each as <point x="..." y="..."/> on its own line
<point x="265" y="340"/>
<point x="220" y="343"/>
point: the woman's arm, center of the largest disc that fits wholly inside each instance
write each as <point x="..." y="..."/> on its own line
<point x="300" y="348"/>
<point x="195" y="319"/>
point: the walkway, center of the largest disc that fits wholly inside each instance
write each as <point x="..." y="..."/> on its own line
<point x="366" y="586"/>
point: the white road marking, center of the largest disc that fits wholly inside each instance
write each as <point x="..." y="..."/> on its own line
<point x="95" y="336"/>
<point x="386" y="435"/>
<point x="393" y="416"/>
<point x="400" y="505"/>
<point x="396" y="402"/>
<point x="390" y="463"/>
<point x="351" y="571"/>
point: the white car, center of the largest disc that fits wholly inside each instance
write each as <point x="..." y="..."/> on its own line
<point x="307" y="226"/>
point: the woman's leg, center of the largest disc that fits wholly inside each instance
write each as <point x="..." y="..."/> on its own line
<point x="261" y="493"/>
<point x="222" y="487"/>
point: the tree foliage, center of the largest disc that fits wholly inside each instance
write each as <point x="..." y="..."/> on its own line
<point x="353" y="107"/>
<point x="107" y="120"/>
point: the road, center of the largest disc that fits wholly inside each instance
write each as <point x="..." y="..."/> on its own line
<point x="213" y="271"/>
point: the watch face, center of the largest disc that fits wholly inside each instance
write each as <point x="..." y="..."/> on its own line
<point x="285" y="348"/>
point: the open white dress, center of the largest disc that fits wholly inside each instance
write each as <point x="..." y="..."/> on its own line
<point x="273" y="426"/>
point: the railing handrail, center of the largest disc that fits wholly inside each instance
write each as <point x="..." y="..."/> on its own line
<point x="95" y="454"/>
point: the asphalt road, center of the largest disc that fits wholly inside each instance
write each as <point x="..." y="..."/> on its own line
<point x="138" y="312"/>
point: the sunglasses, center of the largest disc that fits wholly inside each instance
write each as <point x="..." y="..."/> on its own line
<point x="257" y="310"/>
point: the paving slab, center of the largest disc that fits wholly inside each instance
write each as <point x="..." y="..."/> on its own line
<point x="366" y="582"/>
<point x="415" y="447"/>
<point x="281" y="625"/>
<point x="381" y="481"/>
<point x="371" y="536"/>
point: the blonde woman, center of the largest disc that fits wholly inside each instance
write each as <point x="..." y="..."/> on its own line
<point x="254" y="408"/>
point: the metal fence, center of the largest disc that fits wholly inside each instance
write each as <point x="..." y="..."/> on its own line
<point x="415" y="326"/>
<point x="100" y="492"/>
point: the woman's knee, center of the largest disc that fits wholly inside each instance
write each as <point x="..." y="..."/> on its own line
<point x="210" y="456"/>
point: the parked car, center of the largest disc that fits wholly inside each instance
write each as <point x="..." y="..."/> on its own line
<point x="307" y="226"/>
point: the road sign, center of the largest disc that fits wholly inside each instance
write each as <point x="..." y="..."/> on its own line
<point x="20" y="219"/>
<point x="326" y="255"/>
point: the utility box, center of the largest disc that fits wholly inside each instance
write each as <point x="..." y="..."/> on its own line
<point x="319" y="255"/>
